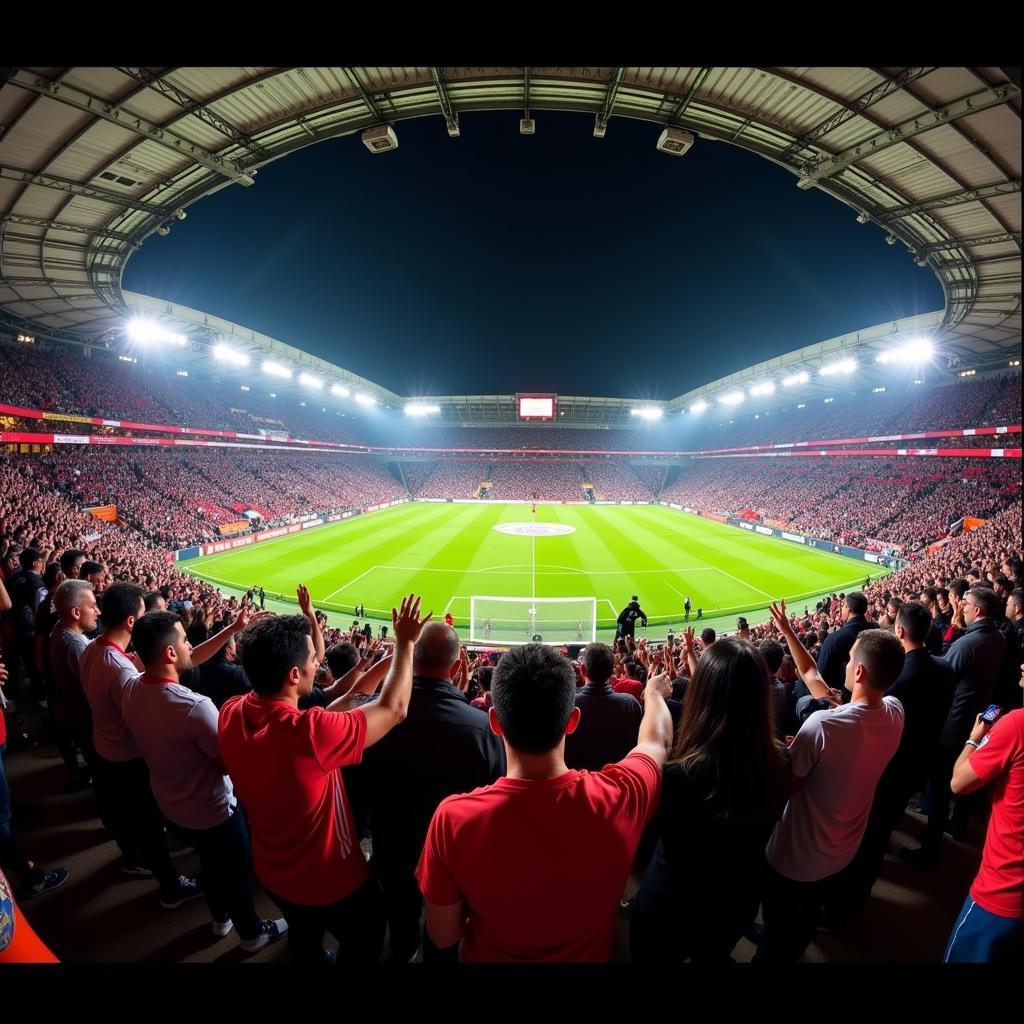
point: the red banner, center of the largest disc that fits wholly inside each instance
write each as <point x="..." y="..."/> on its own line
<point x="108" y="513"/>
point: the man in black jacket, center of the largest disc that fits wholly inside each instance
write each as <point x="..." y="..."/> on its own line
<point x="925" y="689"/>
<point x="443" y="747"/>
<point x="609" y="721"/>
<point x="835" y="652"/>
<point x="627" y="617"/>
<point x="27" y="589"/>
<point x="976" y="658"/>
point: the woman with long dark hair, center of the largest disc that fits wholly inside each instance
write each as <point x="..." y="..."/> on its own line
<point x="725" y="786"/>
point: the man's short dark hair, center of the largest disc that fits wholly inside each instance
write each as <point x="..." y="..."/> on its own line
<point x="88" y="568"/>
<point x="50" y="574"/>
<point x="485" y="677"/>
<point x="68" y="559"/>
<point x="152" y="633"/>
<point x="882" y="655"/>
<point x="707" y="636"/>
<point x="271" y="648"/>
<point x="534" y="692"/>
<point x="119" y="601"/>
<point x="915" y="619"/>
<point x="896" y="602"/>
<point x="929" y="593"/>
<point x="857" y="603"/>
<point x="598" y="662"/>
<point x="959" y="586"/>
<point x="341" y="658"/>
<point x="986" y="600"/>
<point x="772" y="653"/>
<point x="29" y="557"/>
<point x="152" y="598"/>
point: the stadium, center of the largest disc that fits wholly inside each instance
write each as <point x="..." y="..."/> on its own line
<point x="172" y="478"/>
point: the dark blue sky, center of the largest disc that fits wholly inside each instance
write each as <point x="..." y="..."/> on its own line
<point x="496" y="263"/>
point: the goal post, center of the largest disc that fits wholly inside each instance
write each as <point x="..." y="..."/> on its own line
<point x="517" y="620"/>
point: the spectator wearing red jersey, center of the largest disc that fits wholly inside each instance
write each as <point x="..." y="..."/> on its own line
<point x="990" y="928"/>
<point x="287" y="765"/>
<point x="488" y="882"/>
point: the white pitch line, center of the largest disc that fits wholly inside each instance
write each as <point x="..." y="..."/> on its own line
<point x="350" y="582"/>
<point x="749" y="586"/>
<point x="670" y="587"/>
<point x="610" y="605"/>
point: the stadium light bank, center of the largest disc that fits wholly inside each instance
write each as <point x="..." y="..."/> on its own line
<point x="843" y="366"/>
<point x="647" y="413"/>
<point x="421" y="409"/>
<point x="366" y="400"/>
<point x="145" y="332"/>
<point x="309" y="381"/>
<point x="918" y="350"/>
<point x="732" y="398"/>
<point x="227" y="354"/>
<point x="797" y="378"/>
<point x="276" y="369"/>
<point x="340" y="390"/>
<point x="700" y="406"/>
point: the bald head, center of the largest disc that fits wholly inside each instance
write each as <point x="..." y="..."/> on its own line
<point x="436" y="651"/>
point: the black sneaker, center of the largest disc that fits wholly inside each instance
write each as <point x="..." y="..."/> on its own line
<point x="47" y="880"/>
<point x="135" y="866"/>
<point x="270" y="931"/>
<point x="188" y="889"/>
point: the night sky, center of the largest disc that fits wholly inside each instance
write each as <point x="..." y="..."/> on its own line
<point x="496" y="263"/>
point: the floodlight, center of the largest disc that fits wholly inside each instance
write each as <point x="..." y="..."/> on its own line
<point x="699" y="406"/>
<point x="340" y="390"/>
<point x="181" y="373"/>
<point x="366" y="400"/>
<point x="309" y="381"/>
<point x="877" y="391"/>
<point x="276" y="369"/>
<point x="843" y="366"/>
<point x="732" y="398"/>
<point x="146" y="332"/>
<point x="767" y="388"/>
<point x="917" y="350"/>
<point x="421" y="409"/>
<point x="647" y="413"/>
<point x="797" y="378"/>
<point x="862" y="218"/>
<point x="227" y="354"/>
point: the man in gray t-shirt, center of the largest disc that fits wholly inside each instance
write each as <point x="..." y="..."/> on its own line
<point x="77" y="612"/>
<point x="838" y="757"/>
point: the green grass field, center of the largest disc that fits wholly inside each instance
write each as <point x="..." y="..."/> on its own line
<point x="448" y="552"/>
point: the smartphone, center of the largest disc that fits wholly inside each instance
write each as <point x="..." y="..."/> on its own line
<point x="991" y="713"/>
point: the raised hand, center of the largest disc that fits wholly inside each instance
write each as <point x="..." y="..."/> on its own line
<point x="689" y="641"/>
<point x="661" y="684"/>
<point x="305" y="601"/>
<point x="779" y="616"/>
<point x="406" y="620"/>
<point x="242" y="619"/>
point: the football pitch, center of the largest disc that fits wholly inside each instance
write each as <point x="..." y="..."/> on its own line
<point x="450" y="552"/>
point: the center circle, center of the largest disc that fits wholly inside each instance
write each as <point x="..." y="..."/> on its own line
<point x="535" y="529"/>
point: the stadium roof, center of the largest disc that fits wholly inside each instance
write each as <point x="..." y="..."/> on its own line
<point x="93" y="161"/>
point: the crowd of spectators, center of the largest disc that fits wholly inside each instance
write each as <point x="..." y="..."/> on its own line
<point x="525" y="479"/>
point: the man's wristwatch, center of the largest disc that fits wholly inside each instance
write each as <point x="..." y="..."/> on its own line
<point x="972" y="743"/>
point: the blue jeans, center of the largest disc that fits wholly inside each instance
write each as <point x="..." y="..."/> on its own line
<point x="10" y="855"/>
<point x="980" y="937"/>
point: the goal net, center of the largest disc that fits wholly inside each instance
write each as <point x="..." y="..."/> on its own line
<point x="517" y="620"/>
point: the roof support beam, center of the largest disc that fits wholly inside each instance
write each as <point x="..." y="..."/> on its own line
<point x="350" y="73"/>
<point x="983" y="99"/>
<point x="115" y="114"/>
<point x="54" y="225"/>
<point x="609" y="96"/>
<point x="197" y="110"/>
<point x="74" y="188"/>
<point x="687" y="99"/>
<point x="526" y="94"/>
<point x="970" y="243"/>
<point x="443" y="98"/>
<point x="858" y="106"/>
<point x="970" y="195"/>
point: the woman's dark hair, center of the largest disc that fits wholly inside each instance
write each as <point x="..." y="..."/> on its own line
<point x="726" y="740"/>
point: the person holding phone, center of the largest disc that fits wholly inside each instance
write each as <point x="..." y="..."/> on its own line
<point x="990" y="928"/>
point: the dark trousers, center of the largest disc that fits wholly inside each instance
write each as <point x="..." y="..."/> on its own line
<point x="130" y="813"/>
<point x="939" y="796"/>
<point x="402" y="906"/>
<point x="357" y="922"/>
<point x="225" y="863"/>
<point x="791" y="910"/>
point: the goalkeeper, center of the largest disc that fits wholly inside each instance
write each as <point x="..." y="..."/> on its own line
<point x="626" y="622"/>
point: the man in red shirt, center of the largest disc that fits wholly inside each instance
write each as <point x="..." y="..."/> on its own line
<point x="990" y="928"/>
<point x="532" y="867"/>
<point x="286" y="766"/>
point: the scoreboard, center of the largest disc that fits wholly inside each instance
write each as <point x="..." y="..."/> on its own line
<point x="536" y="407"/>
